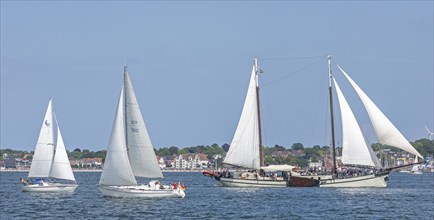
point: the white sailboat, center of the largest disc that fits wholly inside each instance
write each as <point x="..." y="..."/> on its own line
<point x="415" y="169"/>
<point x="355" y="149"/>
<point x="246" y="147"/>
<point x="50" y="170"/>
<point x="130" y="153"/>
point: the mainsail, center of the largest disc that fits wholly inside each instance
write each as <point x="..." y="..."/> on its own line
<point x="355" y="149"/>
<point x="117" y="170"/>
<point x="244" y="148"/>
<point x="140" y="151"/>
<point x="43" y="157"/>
<point x="385" y="131"/>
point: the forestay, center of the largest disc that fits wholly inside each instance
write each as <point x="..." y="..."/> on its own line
<point x="244" y="148"/>
<point x="385" y="131"/>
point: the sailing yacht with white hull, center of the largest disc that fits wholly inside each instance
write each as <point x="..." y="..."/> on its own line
<point x="356" y="151"/>
<point x="416" y="168"/>
<point x="246" y="150"/>
<point x="50" y="170"/>
<point x="130" y="153"/>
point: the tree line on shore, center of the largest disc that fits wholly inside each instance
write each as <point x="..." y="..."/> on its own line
<point x="313" y="154"/>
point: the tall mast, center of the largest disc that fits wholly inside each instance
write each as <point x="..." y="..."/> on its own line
<point x="125" y="105"/>
<point x="261" y="150"/>
<point x="331" y="113"/>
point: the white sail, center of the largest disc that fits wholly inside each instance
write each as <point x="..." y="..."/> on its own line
<point x="244" y="148"/>
<point x="61" y="168"/>
<point x="386" y="132"/>
<point x="43" y="157"/>
<point x="140" y="151"/>
<point x="415" y="168"/>
<point x="117" y="170"/>
<point x="355" y="149"/>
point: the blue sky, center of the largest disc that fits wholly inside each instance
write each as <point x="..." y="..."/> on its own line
<point x="190" y="63"/>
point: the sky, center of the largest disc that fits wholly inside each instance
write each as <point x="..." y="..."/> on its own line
<point x="190" y="63"/>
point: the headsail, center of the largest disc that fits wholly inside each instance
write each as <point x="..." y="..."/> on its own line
<point x="61" y="168"/>
<point x="117" y="169"/>
<point x="355" y="148"/>
<point x="386" y="132"/>
<point x="140" y="151"/>
<point x="244" y="148"/>
<point x="43" y="157"/>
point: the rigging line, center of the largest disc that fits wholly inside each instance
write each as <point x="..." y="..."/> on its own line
<point x="290" y="58"/>
<point x="293" y="73"/>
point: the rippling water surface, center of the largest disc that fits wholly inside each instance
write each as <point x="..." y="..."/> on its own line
<point x="406" y="197"/>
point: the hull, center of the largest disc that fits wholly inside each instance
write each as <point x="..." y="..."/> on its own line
<point x="50" y="188"/>
<point x="299" y="181"/>
<point x="373" y="180"/>
<point x="230" y="182"/>
<point x="208" y="173"/>
<point x="139" y="192"/>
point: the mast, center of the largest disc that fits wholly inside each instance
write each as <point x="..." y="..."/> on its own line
<point x="334" y="172"/>
<point x="261" y="150"/>
<point x="125" y="107"/>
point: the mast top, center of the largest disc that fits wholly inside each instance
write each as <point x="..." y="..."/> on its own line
<point x="329" y="57"/>
<point x="255" y="62"/>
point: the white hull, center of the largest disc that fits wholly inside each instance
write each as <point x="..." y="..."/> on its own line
<point x="230" y="182"/>
<point x="50" y="188"/>
<point x="357" y="182"/>
<point x="139" y="192"/>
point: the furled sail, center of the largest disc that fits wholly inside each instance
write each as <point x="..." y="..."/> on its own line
<point x="386" y="132"/>
<point x="244" y="148"/>
<point x="355" y="149"/>
<point x="117" y="169"/>
<point x="43" y="157"/>
<point x="61" y="168"/>
<point x="140" y="151"/>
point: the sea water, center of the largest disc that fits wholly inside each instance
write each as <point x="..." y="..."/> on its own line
<point x="406" y="197"/>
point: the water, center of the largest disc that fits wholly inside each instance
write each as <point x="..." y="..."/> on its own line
<point x="407" y="197"/>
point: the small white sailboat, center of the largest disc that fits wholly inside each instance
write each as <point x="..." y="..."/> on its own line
<point x="416" y="169"/>
<point x="355" y="149"/>
<point x="50" y="170"/>
<point x="130" y="153"/>
<point x="246" y="151"/>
